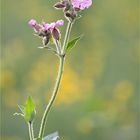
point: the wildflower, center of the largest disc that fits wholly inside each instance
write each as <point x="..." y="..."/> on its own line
<point x="71" y="8"/>
<point x="46" y="30"/>
<point x="53" y="25"/>
<point x="53" y="28"/>
<point x="81" y="4"/>
<point x="35" y="25"/>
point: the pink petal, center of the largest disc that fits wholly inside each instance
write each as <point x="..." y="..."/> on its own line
<point x="59" y="23"/>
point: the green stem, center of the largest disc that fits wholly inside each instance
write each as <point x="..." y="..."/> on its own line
<point x="67" y="35"/>
<point x="57" y="43"/>
<point x="55" y="91"/>
<point x="31" y="133"/>
<point x="58" y="80"/>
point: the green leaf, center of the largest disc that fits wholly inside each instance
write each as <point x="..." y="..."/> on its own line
<point x="30" y="110"/>
<point x="72" y="43"/>
<point x="53" y="136"/>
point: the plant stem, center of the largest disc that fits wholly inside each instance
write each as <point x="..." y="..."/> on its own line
<point x="58" y="80"/>
<point x="31" y="133"/>
<point x="55" y="91"/>
<point x="67" y="35"/>
<point x="58" y="47"/>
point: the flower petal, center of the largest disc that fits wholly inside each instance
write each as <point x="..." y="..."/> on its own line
<point x="32" y="22"/>
<point x="59" y="23"/>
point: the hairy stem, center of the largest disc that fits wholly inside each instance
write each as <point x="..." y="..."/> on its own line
<point x="67" y="35"/>
<point x="59" y="77"/>
<point x="55" y="91"/>
<point x="31" y="133"/>
<point x="57" y="43"/>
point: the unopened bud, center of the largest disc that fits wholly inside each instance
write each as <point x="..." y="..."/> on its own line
<point x="56" y="34"/>
<point x="59" y="5"/>
<point x="68" y="14"/>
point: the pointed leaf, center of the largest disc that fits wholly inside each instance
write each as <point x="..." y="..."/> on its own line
<point x="30" y="109"/>
<point x="72" y="43"/>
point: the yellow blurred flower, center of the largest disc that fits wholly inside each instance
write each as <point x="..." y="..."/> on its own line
<point x="7" y="79"/>
<point x="85" y="125"/>
<point x="123" y="91"/>
<point x="94" y="66"/>
<point x="40" y="73"/>
<point x="70" y="90"/>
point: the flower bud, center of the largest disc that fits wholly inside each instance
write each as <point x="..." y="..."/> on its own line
<point x="70" y="15"/>
<point x="45" y="40"/>
<point x="56" y="34"/>
<point x="67" y="14"/>
<point x="59" y="5"/>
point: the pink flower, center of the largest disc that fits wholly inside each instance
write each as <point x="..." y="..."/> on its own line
<point x="81" y="4"/>
<point x="53" y="28"/>
<point x="59" y="23"/>
<point x="53" y="25"/>
<point x="46" y="29"/>
<point x="32" y="23"/>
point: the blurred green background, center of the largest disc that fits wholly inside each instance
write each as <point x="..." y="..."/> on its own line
<point x="98" y="99"/>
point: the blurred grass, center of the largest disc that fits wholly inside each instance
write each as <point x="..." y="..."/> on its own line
<point x="99" y="93"/>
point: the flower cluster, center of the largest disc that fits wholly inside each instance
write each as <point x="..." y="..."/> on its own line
<point x="72" y="7"/>
<point x="46" y="30"/>
<point x="81" y="4"/>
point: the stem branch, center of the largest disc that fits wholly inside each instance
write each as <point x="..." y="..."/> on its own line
<point x="58" y="47"/>
<point x="67" y="35"/>
<point x="31" y="133"/>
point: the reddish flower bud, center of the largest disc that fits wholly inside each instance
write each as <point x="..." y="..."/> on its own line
<point x="56" y="34"/>
<point x="68" y="14"/>
<point x="59" y="5"/>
